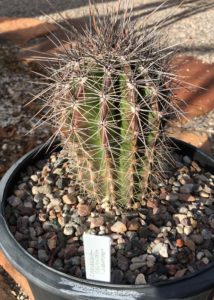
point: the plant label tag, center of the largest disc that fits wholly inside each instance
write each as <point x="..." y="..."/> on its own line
<point x="97" y="251"/>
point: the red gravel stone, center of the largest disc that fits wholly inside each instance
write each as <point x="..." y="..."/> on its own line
<point x="83" y="210"/>
<point x="118" y="227"/>
<point x="96" y="222"/>
<point x="179" y="243"/>
<point x="133" y="225"/>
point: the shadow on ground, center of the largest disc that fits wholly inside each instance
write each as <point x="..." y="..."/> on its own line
<point x="189" y="8"/>
<point x="40" y="7"/>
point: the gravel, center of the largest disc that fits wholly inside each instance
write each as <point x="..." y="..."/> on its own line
<point x="17" y="86"/>
<point x="15" y="289"/>
<point x="162" y="240"/>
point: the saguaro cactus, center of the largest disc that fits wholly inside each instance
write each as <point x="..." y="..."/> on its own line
<point x="110" y="99"/>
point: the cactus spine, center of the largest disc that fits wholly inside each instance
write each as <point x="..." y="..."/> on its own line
<point x="110" y="101"/>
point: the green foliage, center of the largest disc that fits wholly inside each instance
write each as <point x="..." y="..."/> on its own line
<point x="110" y="99"/>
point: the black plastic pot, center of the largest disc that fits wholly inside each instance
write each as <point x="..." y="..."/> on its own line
<point x="49" y="284"/>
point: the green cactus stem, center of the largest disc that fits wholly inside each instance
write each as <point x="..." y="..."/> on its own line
<point x="110" y="101"/>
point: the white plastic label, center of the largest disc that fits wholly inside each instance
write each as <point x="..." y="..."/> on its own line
<point x="97" y="251"/>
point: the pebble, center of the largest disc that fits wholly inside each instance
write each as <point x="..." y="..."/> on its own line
<point x="180" y="273"/>
<point x="183" y="210"/>
<point x="184" y="178"/>
<point x="117" y="276"/>
<point x="43" y="256"/>
<point x="28" y="204"/>
<point x="186" y="188"/>
<point x="206" y="234"/>
<point x="150" y="260"/>
<point x="205" y="260"/>
<point x="133" y="225"/>
<point x="194" y="223"/>
<point x="211" y="221"/>
<point x="161" y="249"/>
<point x="61" y="183"/>
<point x="122" y="262"/>
<point x="14" y="201"/>
<point x="76" y="260"/>
<point x="204" y="194"/>
<point x="83" y="210"/>
<point x="200" y="255"/>
<point x="188" y="230"/>
<point x="187" y="160"/>
<point x="48" y="226"/>
<point x="97" y="222"/>
<point x="54" y="202"/>
<point x="80" y="199"/>
<point x="58" y="264"/>
<point x="34" y="177"/>
<point x="130" y="277"/>
<point x="32" y="218"/>
<point x="197" y="238"/>
<point x="30" y="250"/>
<point x="33" y="244"/>
<point x="196" y="166"/>
<point x="32" y="233"/>
<point x="208" y="211"/>
<point x="119" y="227"/>
<point x="137" y="265"/>
<point x="186" y="197"/>
<point x="115" y="236"/>
<point x="140" y="279"/>
<point x="103" y="228"/>
<point x="19" y="193"/>
<point x="189" y="243"/>
<point x="69" y="199"/>
<point x="43" y="189"/>
<point x="180" y="229"/>
<point x="52" y="242"/>
<point x="172" y="197"/>
<point x="19" y="236"/>
<point x="180" y="217"/>
<point x="42" y="217"/>
<point x="4" y="147"/>
<point x="61" y="220"/>
<point x="164" y="251"/>
<point x="183" y="256"/>
<point x="68" y="230"/>
<point x="152" y="278"/>
<point x="139" y="259"/>
<point x="121" y="241"/>
<point x="39" y="198"/>
<point x="144" y="232"/>
<point x="154" y="228"/>
<point x="179" y="243"/>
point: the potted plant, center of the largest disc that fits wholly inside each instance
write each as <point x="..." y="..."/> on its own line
<point x="114" y="173"/>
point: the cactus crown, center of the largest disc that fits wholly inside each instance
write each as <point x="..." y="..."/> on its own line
<point x="110" y="100"/>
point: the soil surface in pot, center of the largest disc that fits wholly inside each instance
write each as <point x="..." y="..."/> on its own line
<point x="170" y="235"/>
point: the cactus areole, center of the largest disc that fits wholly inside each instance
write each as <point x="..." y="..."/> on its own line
<point x="110" y="100"/>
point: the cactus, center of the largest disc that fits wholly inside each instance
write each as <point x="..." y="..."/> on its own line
<point x="110" y="100"/>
